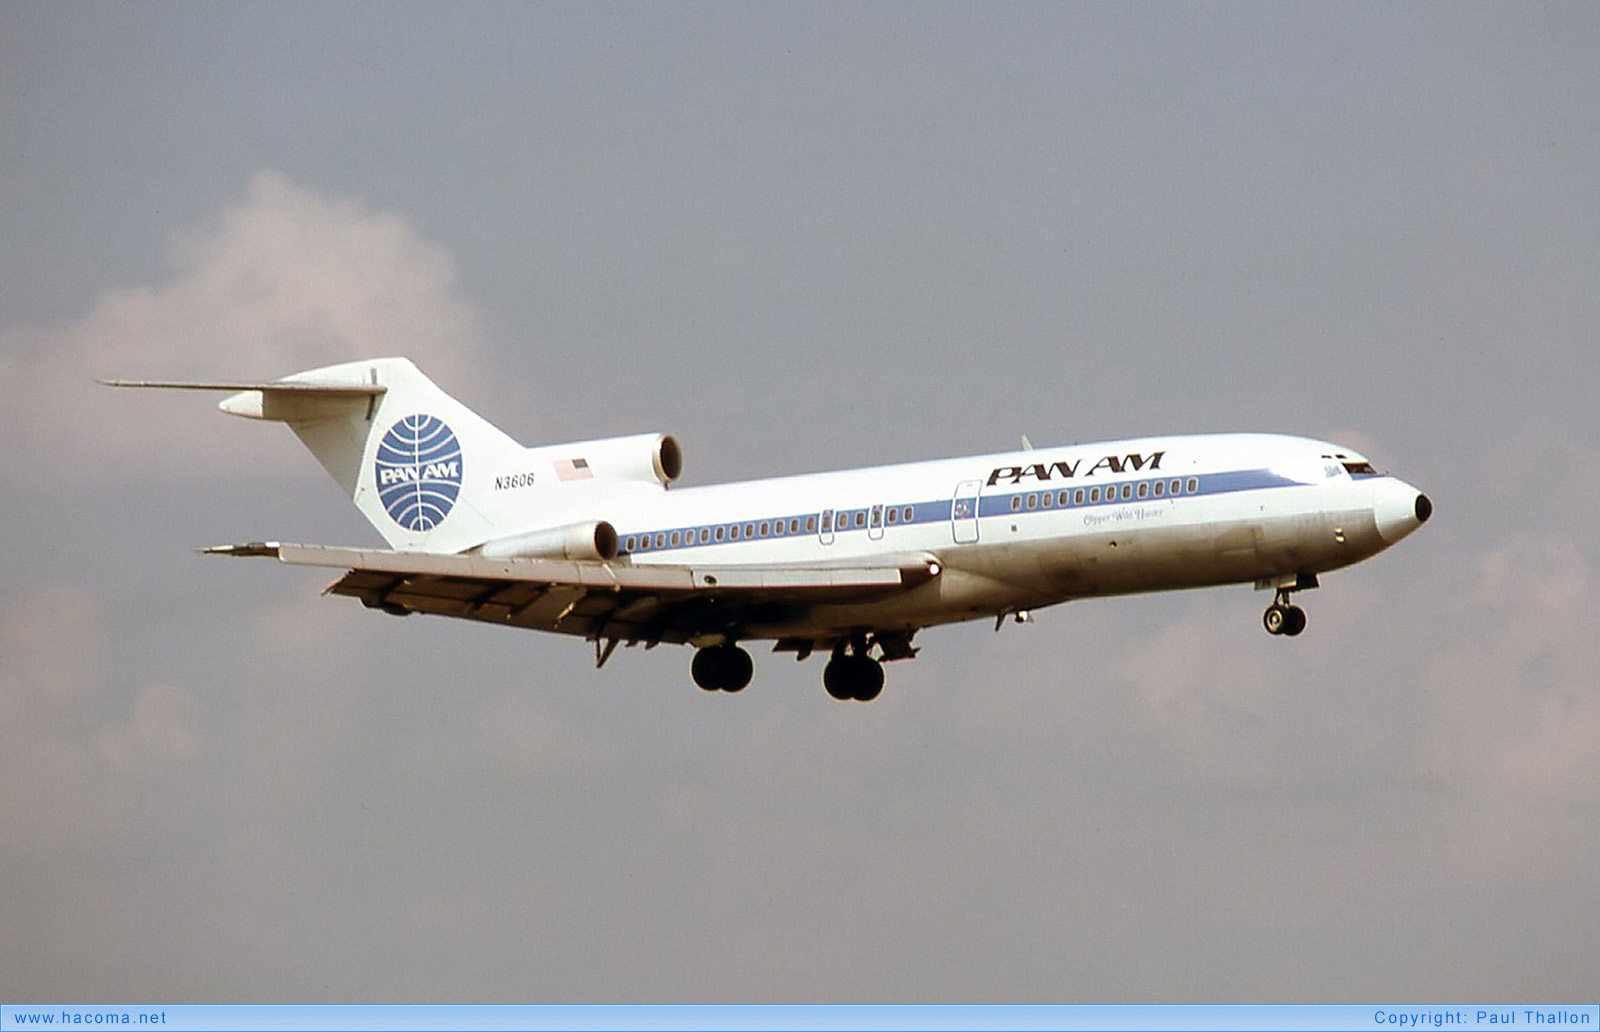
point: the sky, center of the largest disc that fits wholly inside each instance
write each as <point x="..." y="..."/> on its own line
<point x="800" y="237"/>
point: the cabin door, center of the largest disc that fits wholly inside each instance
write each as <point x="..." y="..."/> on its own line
<point x="964" y="512"/>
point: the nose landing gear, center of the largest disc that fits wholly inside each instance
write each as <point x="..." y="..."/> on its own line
<point x="1284" y="618"/>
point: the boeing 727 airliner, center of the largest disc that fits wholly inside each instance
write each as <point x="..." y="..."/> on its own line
<point x="586" y="538"/>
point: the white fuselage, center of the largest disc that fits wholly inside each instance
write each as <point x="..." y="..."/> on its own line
<point x="1026" y="529"/>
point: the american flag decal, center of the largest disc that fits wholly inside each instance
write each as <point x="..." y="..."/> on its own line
<point x="573" y="469"/>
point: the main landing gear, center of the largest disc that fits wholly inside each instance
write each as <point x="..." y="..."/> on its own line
<point x="852" y="674"/>
<point x="722" y="668"/>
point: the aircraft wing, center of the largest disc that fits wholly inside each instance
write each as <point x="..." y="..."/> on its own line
<point x="598" y="600"/>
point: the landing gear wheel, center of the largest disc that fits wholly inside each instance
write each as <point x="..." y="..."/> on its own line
<point x="737" y="669"/>
<point x="707" y="670"/>
<point x="853" y="677"/>
<point x="870" y="686"/>
<point x="1285" y="619"/>
<point x="725" y="668"/>
<point x="836" y="678"/>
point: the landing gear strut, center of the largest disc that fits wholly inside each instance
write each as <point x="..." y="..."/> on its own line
<point x="722" y="668"/>
<point x="853" y="674"/>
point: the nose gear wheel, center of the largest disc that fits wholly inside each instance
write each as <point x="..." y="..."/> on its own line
<point x="1283" y="617"/>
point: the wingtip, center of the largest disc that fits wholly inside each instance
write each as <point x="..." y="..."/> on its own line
<point x="266" y="548"/>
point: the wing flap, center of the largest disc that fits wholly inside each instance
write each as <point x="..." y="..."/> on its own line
<point x="601" y="575"/>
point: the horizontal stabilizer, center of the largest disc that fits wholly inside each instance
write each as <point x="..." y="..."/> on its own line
<point x="353" y="390"/>
<point x="284" y="401"/>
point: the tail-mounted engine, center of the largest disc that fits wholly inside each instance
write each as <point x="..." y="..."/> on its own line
<point x="641" y="458"/>
<point x="593" y="540"/>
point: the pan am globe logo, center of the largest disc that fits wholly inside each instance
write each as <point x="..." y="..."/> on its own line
<point x="419" y="471"/>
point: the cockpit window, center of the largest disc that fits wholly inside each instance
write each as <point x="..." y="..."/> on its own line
<point x="1360" y="469"/>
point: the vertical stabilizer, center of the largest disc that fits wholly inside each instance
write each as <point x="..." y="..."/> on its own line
<point x="411" y="457"/>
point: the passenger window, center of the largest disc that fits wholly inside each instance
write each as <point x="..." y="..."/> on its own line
<point x="718" y="534"/>
<point x="749" y="530"/>
<point x="1077" y="497"/>
<point x="827" y="521"/>
<point x="1064" y="498"/>
<point x="1161" y="488"/>
<point x="733" y="532"/>
<point x="705" y="535"/>
<point x="1094" y="494"/>
<point x="1033" y="501"/>
<point x="861" y="519"/>
<point x="1194" y="485"/>
<point x="1144" y="489"/>
<point x="1016" y="503"/>
<point x="811" y="524"/>
<point x="794" y="526"/>
<point x="894" y="516"/>
<point x="765" y="527"/>
<point x="906" y="514"/>
<point x="1127" y="491"/>
<point x="661" y="540"/>
<point x="674" y="537"/>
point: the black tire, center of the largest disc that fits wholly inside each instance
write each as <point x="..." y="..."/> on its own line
<point x="837" y="680"/>
<point x="1274" y="618"/>
<point x="737" y="668"/>
<point x="869" y="679"/>
<point x="1294" y="621"/>
<point x="707" y="669"/>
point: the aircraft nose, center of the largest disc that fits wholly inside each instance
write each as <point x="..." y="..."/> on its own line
<point x="1398" y="508"/>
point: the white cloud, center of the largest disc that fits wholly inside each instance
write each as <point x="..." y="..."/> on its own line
<point x="288" y="279"/>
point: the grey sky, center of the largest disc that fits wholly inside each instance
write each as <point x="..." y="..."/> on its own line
<point x="800" y="237"/>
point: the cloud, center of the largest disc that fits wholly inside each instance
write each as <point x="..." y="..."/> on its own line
<point x="81" y="756"/>
<point x="1513" y="725"/>
<point x="159" y="811"/>
<point x="287" y="279"/>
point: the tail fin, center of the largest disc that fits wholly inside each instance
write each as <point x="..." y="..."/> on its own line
<point x="433" y="476"/>
<point x="384" y="416"/>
